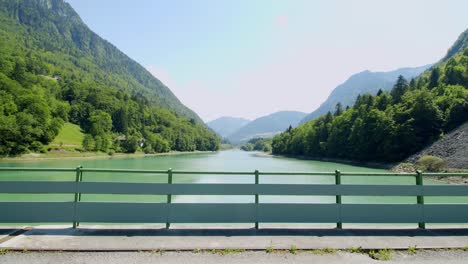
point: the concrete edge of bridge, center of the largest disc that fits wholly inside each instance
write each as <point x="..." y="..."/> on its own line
<point x="115" y="238"/>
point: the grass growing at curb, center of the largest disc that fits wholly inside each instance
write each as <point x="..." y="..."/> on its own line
<point x="221" y="252"/>
<point x="323" y="251"/>
<point x="293" y="249"/>
<point x="412" y="250"/>
<point x="157" y="251"/>
<point x="381" y="254"/>
<point x="3" y="251"/>
<point x="270" y="248"/>
<point x="356" y="250"/>
<point x="227" y="251"/>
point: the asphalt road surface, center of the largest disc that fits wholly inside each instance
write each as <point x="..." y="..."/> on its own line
<point x="257" y="257"/>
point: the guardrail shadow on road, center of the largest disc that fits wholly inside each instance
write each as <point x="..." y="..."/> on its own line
<point x="237" y="232"/>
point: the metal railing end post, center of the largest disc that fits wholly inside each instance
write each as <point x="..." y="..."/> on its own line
<point x="77" y="179"/>
<point x="257" y="181"/>
<point x="420" y="198"/>
<point x="339" y="225"/>
<point x="169" y="196"/>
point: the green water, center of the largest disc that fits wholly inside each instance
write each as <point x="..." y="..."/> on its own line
<point x="232" y="160"/>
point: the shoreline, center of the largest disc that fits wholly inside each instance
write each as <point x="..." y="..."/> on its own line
<point x="374" y="165"/>
<point x="92" y="155"/>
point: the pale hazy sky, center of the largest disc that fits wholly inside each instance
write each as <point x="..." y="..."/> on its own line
<point x="248" y="58"/>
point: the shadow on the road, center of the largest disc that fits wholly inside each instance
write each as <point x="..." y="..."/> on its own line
<point x="83" y="231"/>
<point x="6" y="231"/>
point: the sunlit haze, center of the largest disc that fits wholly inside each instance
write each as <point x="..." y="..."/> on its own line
<point x="251" y="58"/>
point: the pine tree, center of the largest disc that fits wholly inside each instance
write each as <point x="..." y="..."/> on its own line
<point x="400" y="87"/>
<point x="338" y="109"/>
<point x="434" y="78"/>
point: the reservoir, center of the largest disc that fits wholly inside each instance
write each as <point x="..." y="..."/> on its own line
<point x="230" y="160"/>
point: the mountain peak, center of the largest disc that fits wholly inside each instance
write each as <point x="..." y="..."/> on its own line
<point x="267" y="126"/>
<point x="460" y="44"/>
<point x="60" y="28"/>
<point x="226" y="125"/>
<point x="33" y="12"/>
<point x="360" y="83"/>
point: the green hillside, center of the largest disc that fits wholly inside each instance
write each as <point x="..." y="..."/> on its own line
<point x="389" y="126"/>
<point x="54" y="69"/>
<point x="70" y="135"/>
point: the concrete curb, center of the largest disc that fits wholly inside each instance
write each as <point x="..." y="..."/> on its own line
<point x="143" y="238"/>
<point x="9" y="233"/>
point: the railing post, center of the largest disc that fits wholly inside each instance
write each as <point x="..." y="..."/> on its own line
<point x="169" y="196"/>
<point x="256" y="195"/>
<point x="77" y="195"/>
<point x="339" y="225"/>
<point x="81" y="179"/>
<point x="420" y="198"/>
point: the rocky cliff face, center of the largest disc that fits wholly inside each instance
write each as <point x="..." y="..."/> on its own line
<point x="453" y="148"/>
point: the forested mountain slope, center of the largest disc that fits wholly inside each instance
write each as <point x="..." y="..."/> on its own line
<point x="225" y="126"/>
<point x="53" y="69"/>
<point x="267" y="126"/>
<point x="389" y="126"/>
<point x="362" y="83"/>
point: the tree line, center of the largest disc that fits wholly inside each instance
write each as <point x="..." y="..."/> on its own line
<point x="388" y="126"/>
<point x="44" y="84"/>
<point x="257" y="144"/>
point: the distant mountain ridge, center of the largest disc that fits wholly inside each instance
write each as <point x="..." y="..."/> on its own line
<point x="427" y="116"/>
<point x="267" y="126"/>
<point x="226" y="125"/>
<point x="361" y="83"/>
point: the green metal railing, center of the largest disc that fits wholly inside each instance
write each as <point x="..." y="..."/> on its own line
<point x="77" y="211"/>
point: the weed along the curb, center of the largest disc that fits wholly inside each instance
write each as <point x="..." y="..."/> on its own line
<point x="381" y="254"/>
<point x="323" y="251"/>
<point x="412" y="250"/>
<point x="157" y="251"/>
<point x="227" y="251"/>
<point x="293" y="249"/>
<point x="270" y="248"/>
<point x="222" y="252"/>
<point x="356" y="250"/>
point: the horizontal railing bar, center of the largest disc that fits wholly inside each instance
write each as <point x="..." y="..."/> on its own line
<point x="122" y="170"/>
<point x="231" y="189"/>
<point x="445" y="174"/>
<point x="377" y="174"/>
<point x="272" y="189"/>
<point x="38" y="187"/>
<point x="34" y="169"/>
<point x="232" y="212"/>
<point x="297" y="173"/>
<point x="214" y="172"/>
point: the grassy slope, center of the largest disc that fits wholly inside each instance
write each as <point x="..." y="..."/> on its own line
<point x="69" y="136"/>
